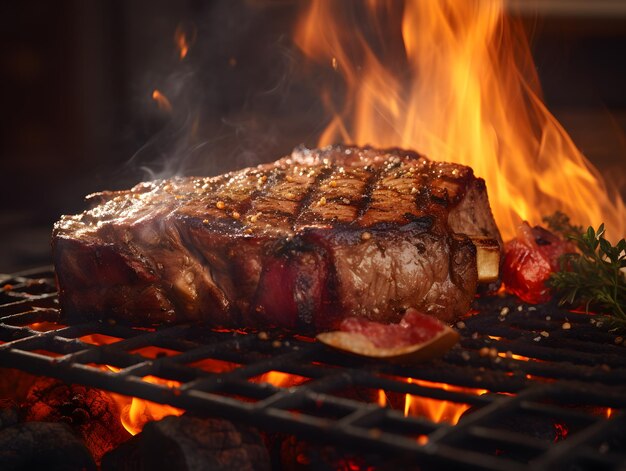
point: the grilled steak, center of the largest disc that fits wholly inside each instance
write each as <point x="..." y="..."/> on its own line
<point x="300" y="243"/>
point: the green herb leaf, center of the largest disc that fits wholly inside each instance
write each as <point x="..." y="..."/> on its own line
<point x="594" y="277"/>
<point x="559" y="222"/>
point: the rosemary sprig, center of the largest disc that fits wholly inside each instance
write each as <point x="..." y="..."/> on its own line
<point x="594" y="277"/>
<point x="559" y="222"/>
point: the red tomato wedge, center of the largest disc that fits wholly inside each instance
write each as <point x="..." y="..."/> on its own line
<point x="529" y="260"/>
<point x="417" y="337"/>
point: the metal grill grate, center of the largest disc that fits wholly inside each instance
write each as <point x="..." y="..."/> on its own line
<point x="569" y="380"/>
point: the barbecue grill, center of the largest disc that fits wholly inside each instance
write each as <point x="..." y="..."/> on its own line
<point x="557" y="383"/>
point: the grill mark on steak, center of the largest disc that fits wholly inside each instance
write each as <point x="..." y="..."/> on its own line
<point x="367" y="198"/>
<point x="305" y="210"/>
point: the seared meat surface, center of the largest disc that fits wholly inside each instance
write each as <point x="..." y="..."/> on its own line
<point x="300" y="243"/>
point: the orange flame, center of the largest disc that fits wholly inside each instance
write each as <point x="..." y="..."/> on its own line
<point x="135" y="412"/>
<point x="161" y="100"/>
<point x="181" y="41"/>
<point x="456" y="81"/>
<point x="438" y="410"/>
<point x="382" y="398"/>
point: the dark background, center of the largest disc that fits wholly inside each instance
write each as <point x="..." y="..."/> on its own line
<point x="78" y="116"/>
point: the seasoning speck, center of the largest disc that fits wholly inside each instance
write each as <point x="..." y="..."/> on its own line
<point x="220" y="205"/>
<point x="504" y="311"/>
<point x="460" y="325"/>
<point x="619" y="340"/>
<point x="366" y="235"/>
<point x="236" y="215"/>
<point x="205" y="221"/>
<point x="483" y="352"/>
<point x="277" y="344"/>
<point x="322" y="201"/>
<point x="465" y="355"/>
<point x="566" y="326"/>
<point x="520" y="308"/>
<point x="333" y="184"/>
<point x="545" y="333"/>
<point x="263" y="336"/>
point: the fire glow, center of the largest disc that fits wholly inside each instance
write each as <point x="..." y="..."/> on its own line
<point x="455" y="80"/>
<point x="136" y="412"/>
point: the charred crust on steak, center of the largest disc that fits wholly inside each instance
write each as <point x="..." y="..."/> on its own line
<point x="299" y="243"/>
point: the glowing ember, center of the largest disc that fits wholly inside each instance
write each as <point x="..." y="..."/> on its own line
<point x="513" y="356"/>
<point x="280" y="379"/>
<point x="99" y="339"/>
<point x="45" y="326"/>
<point x="161" y="100"/>
<point x="560" y="432"/>
<point x="456" y="81"/>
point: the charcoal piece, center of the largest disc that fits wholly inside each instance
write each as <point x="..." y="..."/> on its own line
<point x="43" y="445"/>
<point x="300" y="455"/>
<point x="92" y="413"/>
<point x="191" y="443"/>
<point x="15" y="384"/>
<point x="9" y="413"/>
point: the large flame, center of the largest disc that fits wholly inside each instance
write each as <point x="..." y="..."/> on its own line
<point x="455" y="80"/>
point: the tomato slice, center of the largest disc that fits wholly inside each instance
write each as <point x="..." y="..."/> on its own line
<point x="529" y="260"/>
